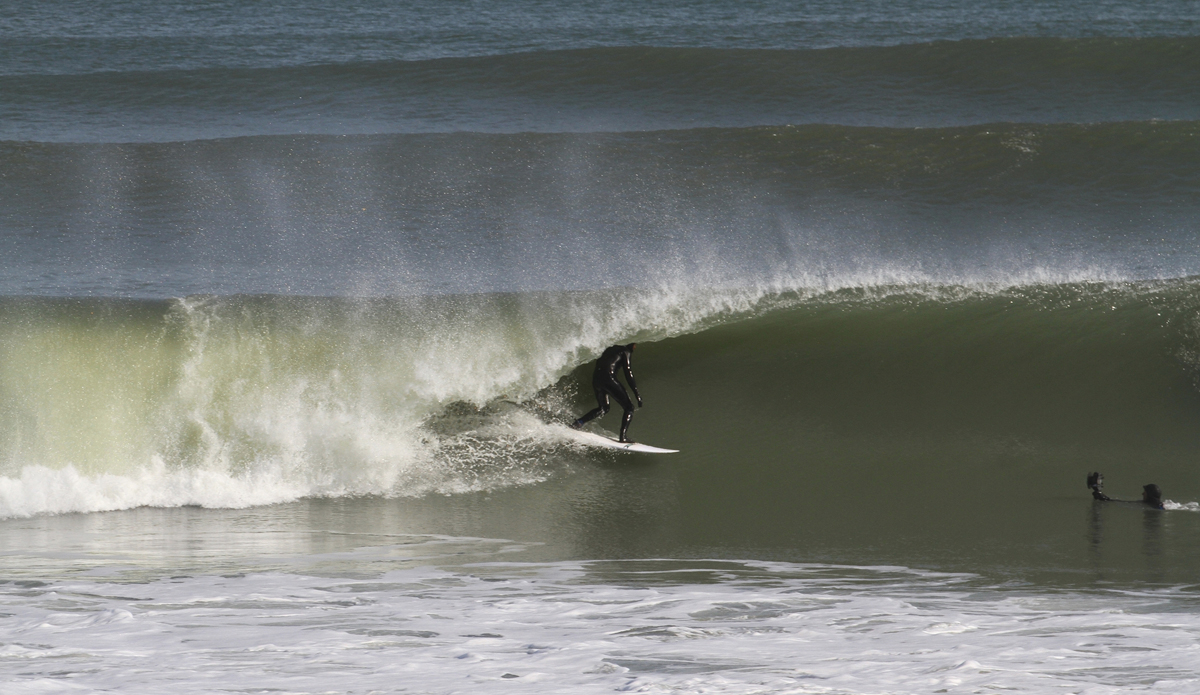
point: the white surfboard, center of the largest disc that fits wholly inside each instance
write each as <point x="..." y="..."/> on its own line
<point x="593" y="439"/>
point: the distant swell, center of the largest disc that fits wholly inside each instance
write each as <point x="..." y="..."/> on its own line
<point x="602" y="89"/>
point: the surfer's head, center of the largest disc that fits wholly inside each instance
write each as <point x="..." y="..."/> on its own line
<point x="1151" y="495"/>
<point x="631" y="346"/>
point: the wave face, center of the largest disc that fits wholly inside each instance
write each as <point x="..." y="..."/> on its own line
<point x="950" y="426"/>
<point x="1044" y="80"/>
<point x="238" y="401"/>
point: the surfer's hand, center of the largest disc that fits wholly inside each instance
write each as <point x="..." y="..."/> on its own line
<point x="639" y="401"/>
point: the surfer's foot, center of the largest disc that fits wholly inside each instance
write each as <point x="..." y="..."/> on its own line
<point x="576" y="425"/>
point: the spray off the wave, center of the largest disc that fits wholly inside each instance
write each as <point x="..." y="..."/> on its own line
<point x="243" y="400"/>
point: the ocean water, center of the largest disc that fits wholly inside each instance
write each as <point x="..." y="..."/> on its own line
<point x="297" y="298"/>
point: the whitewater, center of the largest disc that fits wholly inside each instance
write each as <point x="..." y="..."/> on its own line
<point x="716" y="627"/>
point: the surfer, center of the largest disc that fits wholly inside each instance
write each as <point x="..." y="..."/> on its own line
<point x="605" y="384"/>
<point x="1151" y="494"/>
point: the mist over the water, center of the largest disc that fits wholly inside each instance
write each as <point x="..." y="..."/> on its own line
<point x="755" y="208"/>
<point x="387" y="151"/>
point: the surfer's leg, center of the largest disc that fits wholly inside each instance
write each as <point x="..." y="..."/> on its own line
<point x="619" y="395"/>
<point x="626" y="418"/>
<point x="599" y="410"/>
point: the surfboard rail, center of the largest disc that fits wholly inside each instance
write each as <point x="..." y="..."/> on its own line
<point x="593" y="439"/>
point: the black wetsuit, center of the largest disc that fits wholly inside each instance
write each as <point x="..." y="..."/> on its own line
<point x="605" y="384"/>
<point x="1151" y="494"/>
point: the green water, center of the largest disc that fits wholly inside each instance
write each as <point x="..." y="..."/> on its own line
<point x="949" y="428"/>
